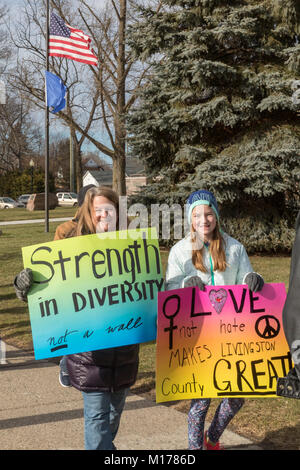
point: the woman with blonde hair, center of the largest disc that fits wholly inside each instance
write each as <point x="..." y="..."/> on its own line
<point x="208" y="256"/>
<point x="87" y="220"/>
<point x="103" y="376"/>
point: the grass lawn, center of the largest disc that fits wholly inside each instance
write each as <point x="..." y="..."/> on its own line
<point x="23" y="214"/>
<point x="271" y="422"/>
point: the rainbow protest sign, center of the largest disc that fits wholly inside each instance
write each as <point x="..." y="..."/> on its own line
<point x="223" y="342"/>
<point x="93" y="292"/>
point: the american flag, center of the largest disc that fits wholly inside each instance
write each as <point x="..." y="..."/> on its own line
<point x="68" y="42"/>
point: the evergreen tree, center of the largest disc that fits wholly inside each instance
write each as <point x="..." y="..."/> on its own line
<point x="14" y="183"/>
<point x="218" y="112"/>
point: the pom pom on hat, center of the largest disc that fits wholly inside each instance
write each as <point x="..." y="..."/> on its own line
<point x="201" y="197"/>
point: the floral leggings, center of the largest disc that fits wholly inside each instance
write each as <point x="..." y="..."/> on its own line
<point x="196" y="417"/>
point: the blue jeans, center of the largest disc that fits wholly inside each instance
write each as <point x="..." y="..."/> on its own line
<point x="102" y="413"/>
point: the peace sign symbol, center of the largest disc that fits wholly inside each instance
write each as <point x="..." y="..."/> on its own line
<point x="267" y="326"/>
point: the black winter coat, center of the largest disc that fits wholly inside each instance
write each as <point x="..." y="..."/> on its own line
<point x="104" y="370"/>
<point x="291" y="310"/>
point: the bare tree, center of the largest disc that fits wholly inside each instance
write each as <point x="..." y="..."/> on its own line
<point x="19" y="135"/>
<point x="104" y="93"/>
<point x="5" y="50"/>
<point x="28" y="77"/>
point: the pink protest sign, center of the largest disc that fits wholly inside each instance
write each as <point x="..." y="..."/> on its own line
<point x="222" y="342"/>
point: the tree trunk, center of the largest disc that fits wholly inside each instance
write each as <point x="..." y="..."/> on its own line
<point x="119" y="160"/>
<point x="78" y="166"/>
<point x="119" y="184"/>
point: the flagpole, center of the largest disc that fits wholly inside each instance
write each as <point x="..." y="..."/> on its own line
<point x="47" y="129"/>
<point x="72" y="179"/>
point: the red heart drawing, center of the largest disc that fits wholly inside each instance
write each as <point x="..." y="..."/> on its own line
<point x="217" y="299"/>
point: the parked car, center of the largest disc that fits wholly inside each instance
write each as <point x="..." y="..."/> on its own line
<point x="9" y="203"/>
<point x="67" y="199"/>
<point x="23" y="199"/>
<point x="36" y="202"/>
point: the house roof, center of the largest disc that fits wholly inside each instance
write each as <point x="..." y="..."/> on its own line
<point x="104" y="175"/>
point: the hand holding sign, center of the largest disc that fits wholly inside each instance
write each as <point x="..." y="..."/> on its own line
<point x="194" y="281"/>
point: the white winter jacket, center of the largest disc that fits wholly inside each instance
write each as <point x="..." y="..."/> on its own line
<point x="180" y="265"/>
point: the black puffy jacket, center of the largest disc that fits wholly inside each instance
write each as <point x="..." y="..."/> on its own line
<point x="104" y="370"/>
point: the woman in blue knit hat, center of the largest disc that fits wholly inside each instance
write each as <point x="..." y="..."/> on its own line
<point x="208" y="256"/>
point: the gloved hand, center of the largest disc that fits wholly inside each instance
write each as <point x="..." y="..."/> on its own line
<point x="289" y="386"/>
<point x="22" y="283"/>
<point x="254" y="281"/>
<point x="194" y="281"/>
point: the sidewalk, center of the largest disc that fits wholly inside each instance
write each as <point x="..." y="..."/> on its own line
<point x="36" y="413"/>
<point x="34" y="221"/>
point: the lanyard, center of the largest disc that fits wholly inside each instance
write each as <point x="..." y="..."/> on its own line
<point x="211" y="266"/>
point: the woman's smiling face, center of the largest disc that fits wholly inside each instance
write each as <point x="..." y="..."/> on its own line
<point x="104" y="214"/>
<point x="204" y="221"/>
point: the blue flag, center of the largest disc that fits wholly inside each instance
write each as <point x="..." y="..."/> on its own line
<point x="55" y="92"/>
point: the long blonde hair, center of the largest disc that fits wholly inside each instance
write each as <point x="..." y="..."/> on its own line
<point x="216" y="249"/>
<point x="84" y="215"/>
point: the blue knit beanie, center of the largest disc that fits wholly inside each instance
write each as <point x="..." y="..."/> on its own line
<point x="201" y="197"/>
